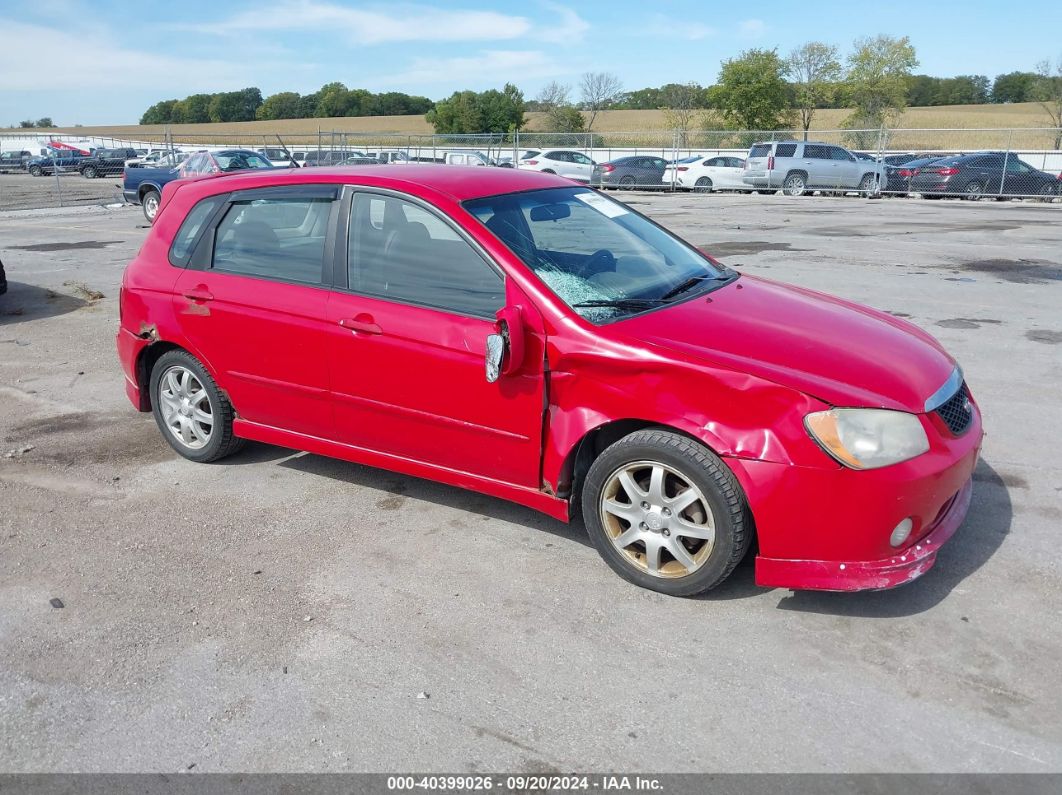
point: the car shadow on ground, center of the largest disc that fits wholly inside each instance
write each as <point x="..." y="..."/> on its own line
<point x="30" y="302"/>
<point x="987" y="525"/>
<point x="984" y="531"/>
<point x="437" y="493"/>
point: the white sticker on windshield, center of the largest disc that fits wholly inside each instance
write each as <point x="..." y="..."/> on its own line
<point x="604" y="206"/>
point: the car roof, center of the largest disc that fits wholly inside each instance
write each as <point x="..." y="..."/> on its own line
<point x="458" y="182"/>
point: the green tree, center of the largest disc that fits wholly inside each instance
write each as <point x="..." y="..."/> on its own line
<point x="813" y="70"/>
<point x="878" y="71"/>
<point x="333" y="100"/>
<point x="1013" y="87"/>
<point x="44" y="121"/>
<point x="194" y="109"/>
<point x="26" y="123"/>
<point x="284" y="105"/>
<point x="1047" y="90"/>
<point x="235" y="105"/>
<point x="752" y="93"/>
<point x="159" y="113"/>
<point x="468" y="112"/>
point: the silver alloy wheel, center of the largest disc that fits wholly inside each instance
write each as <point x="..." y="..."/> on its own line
<point x="973" y="190"/>
<point x="151" y="205"/>
<point x="89" y="173"/>
<point x="703" y="185"/>
<point x="794" y="185"/>
<point x="657" y="519"/>
<point x="186" y="407"/>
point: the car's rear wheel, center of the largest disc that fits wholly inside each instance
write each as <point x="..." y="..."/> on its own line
<point x="35" y="171"/>
<point x="548" y="171"/>
<point x="866" y="185"/>
<point x="627" y="182"/>
<point x="89" y="172"/>
<point x="795" y="185"/>
<point x="703" y="185"/>
<point x="192" y="413"/>
<point x="972" y="190"/>
<point x="150" y="203"/>
<point x="665" y="513"/>
<point x="1048" y="192"/>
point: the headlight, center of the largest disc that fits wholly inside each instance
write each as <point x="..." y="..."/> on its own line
<point x="868" y="438"/>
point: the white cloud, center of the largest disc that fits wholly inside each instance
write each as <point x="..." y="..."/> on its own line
<point x="488" y="67"/>
<point x="674" y="28"/>
<point x="384" y="24"/>
<point x="567" y="28"/>
<point x="38" y="58"/>
<point x="752" y="28"/>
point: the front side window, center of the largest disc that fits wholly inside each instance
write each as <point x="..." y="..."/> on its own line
<point x="816" y="152"/>
<point x="274" y="238"/>
<point x="400" y="251"/>
<point x="581" y="159"/>
<point x="598" y="256"/>
<point x="837" y="153"/>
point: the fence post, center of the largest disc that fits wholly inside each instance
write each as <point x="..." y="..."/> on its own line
<point x="1006" y="156"/>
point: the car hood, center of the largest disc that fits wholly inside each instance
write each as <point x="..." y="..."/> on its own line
<point x="842" y="353"/>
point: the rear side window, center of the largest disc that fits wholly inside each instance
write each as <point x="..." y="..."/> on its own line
<point x="280" y="238"/>
<point x="184" y="241"/>
<point x="785" y="150"/>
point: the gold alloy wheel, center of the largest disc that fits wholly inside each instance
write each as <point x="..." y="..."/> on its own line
<point x="657" y="519"/>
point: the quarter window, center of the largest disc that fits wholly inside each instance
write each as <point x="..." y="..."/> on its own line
<point x="186" y="236"/>
<point x="400" y="251"/>
<point x="278" y="238"/>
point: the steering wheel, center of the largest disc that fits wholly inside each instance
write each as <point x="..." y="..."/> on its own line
<point x="600" y="261"/>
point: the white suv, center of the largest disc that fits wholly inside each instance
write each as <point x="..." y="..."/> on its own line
<point x="799" y="167"/>
<point x="563" y="162"/>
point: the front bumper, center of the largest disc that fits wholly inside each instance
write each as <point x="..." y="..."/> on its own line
<point x="859" y="575"/>
<point x="829" y="528"/>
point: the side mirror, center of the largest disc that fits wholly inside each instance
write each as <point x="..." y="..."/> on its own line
<point x="505" y="349"/>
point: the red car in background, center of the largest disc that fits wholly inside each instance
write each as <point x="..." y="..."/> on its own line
<point x="509" y="332"/>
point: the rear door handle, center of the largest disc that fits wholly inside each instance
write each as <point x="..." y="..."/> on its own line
<point x="362" y="324"/>
<point x="199" y="294"/>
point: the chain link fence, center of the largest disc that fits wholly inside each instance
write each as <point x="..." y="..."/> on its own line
<point x="39" y="171"/>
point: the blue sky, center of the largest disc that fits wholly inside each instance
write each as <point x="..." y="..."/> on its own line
<point x="104" y="61"/>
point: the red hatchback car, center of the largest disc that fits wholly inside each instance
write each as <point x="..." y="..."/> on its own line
<point x="516" y="334"/>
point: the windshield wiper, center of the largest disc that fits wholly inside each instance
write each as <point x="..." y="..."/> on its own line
<point x="690" y="283"/>
<point x="622" y="302"/>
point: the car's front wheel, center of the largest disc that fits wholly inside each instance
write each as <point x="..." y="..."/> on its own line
<point x="150" y="203"/>
<point x="666" y="513"/>
<point x="35" y="171"/>
<point x="703" y="185"/>
<point x="866" y="185"/>
<point x="192" y="413"/>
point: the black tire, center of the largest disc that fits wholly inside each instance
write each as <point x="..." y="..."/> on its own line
<point x="150" y="204"/>
<point x="222" y="442"/>
<point x="866" y="185"/>
<point x="548" y="171"/>
<point x="627" y="182"/>
<point x="3" y="279"/>
<point x="795" y="184"/>
<point x="36" y="171"/>
<point x="767" y="192"/>
<point x="703" y="185"/>
<point x="89" y="172"/>
<point x="702" y="469"/>
<point x="972" y="191"/>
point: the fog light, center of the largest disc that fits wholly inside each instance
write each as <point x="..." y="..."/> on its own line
<point x="902" y="531"/>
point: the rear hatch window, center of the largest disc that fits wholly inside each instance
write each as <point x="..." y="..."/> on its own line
<point x="760" y="150"/>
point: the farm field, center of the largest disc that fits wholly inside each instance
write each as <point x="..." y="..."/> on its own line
<point x="965" y="117"/>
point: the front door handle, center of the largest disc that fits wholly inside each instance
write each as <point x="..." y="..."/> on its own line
<point x="361" y="324"/>
<point x="199" y="294"/>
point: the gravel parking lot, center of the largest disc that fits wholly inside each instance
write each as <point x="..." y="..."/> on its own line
<point x="282" y="611"/>
<point x="25" y="192"/>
